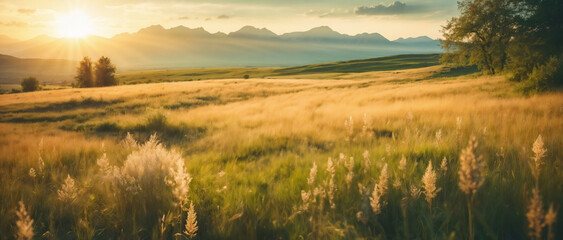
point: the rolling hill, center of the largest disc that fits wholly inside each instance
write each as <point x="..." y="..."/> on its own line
<point x="390" y="63"/>
<point x="56" y="71"/>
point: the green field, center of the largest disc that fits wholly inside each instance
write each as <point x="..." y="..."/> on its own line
<point x="390" y="63"/>
<point x="250" y="147"/>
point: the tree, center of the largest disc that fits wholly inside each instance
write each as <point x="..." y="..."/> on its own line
<point x="481" y="35"/>
<point x="538" y="42"/>
<point x="84" y="77"/>
<point x="105" y="72"/>
<point x="30" y="84"/>
<point x="521" y="36"/>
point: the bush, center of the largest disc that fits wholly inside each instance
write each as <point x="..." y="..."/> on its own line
<point x="246" y="76"/>
<point x="30" y="84"/>
<point x="543" y="77"/>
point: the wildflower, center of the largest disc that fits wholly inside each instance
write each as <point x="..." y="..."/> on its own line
<point x="191" y="222"/>
<point x="24" y="224"/>
<point x="388" y="149"/>
<point x="68" y="192"/>
<point x="471" y="175"/>
<point x="429" y="184"/>
<point x="32" y="172"/>
<point x="535" y="215"/>
<point x="221" y="173"/>
<point x="312" y="174"/>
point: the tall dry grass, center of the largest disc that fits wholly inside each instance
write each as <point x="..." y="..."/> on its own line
<point x="250" y="160"/>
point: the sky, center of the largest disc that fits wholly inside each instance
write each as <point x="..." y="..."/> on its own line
<point x="25" y="19"/>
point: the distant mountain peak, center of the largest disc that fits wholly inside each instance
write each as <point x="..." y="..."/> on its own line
<point x="415" y="39"/>
<point x="251" y="31"/>
<point x="152" y="29"/>
<point x="325" y="29"/>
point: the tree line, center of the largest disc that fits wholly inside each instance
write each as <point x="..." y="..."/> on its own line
<point x="523" y="38"/>
<point x="100" y="74"/>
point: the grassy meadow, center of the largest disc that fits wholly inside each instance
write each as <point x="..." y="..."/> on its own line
<point x="314" y="155"/>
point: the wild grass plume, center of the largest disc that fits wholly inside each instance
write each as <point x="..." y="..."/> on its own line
<point x="471" y="176"/>
<point x="24" y="223"/>
<point x="260" y="159"/>
<point x="68" y="191"/>
<point x="191" y="223"/>
<point x="539" y="153"/>
<point x="429" y="184"/>
<point x="471" y="170"/>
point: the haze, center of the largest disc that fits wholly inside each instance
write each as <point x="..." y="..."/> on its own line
<point x="26" y="19"/>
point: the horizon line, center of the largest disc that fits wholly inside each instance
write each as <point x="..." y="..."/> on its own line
<point x="156" y="25"/>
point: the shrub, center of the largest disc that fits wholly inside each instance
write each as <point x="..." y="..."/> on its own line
<point x="543" y="77"/>
<point x="151" y="183"/>
<point x="30" y="84"/>
<point x="246" y="76"/>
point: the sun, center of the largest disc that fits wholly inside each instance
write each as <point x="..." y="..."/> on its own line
<point x="75" y="24"/>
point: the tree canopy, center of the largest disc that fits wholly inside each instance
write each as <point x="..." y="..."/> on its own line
<point x="102" y="74"/>
<point x="30" y="84"/>
<point x="521" y="37"/>
<point x="105" y="72"/>
<point x="84" y="77"/>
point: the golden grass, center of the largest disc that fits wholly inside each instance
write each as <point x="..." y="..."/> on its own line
<point x="263" y="135"/>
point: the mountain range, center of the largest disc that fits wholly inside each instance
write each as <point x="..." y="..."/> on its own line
<point x="182" y="47"/>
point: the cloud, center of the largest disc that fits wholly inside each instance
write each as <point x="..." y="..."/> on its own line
<point x="334" y="13"/>
<point x="223" y="16"/>
<point x="26" y="11"/>
<point x="21" y="24"/>
<point x="394" y="8"/>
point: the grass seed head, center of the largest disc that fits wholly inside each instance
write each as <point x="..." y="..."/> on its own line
<point x="429" y="183"/>
<point x="24" y="224"/>
<point x="68" y="192"/>
<point x="191" y="222"/>
<point x="471" y="171"/>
